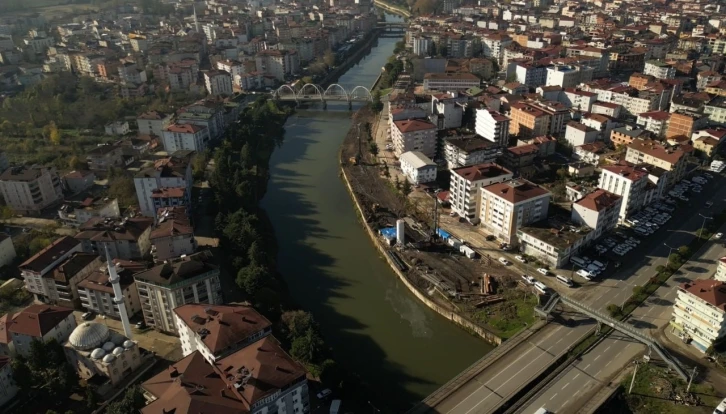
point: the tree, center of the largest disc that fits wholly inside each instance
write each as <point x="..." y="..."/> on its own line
<point x="406" y="188"/>
<point x="331" y="374"/>
<point x="376" y="103"/>
<point x="638" y="290"/>
<point x="251" y="278"/>
<point x="562" y="174"/>
<point x="329" y="58"/>
<point x="132" y="401"/>
<point x="297" y="323"/>
<point x="386" y="172"/>
<point x="91" y="398"/>
<point x="53" y="133"/>
<point x="308" y="347"/>
<point x="684" y="251"/>
<point x="373" y="147"/>
<point x="614" y="310"/>
<point x="75" y="163"/>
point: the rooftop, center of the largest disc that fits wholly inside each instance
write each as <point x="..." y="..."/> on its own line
<point x="100" y="229"/>
<point x="34" y="321"/>
<point x="50" y="254"/>
<point x="416" y="159"/>
<point x="656" y="150"/>
<point x="516" y="191"/>
<point x="412" y="125"/>
<point x="560" y="238"/>
<point x="179" y="270"/>
<point x="626" y="171"/>
<point x="481" y="171"/>
<point x="472" y="143"/>
<point x="708" y="290"/>
<point x="599" y="200"/>
<point x="23" y="173"/>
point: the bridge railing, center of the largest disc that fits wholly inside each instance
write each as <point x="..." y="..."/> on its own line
<point x="315" y="92"/>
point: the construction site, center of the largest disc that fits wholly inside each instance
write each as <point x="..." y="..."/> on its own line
<point x="448" y="271"/>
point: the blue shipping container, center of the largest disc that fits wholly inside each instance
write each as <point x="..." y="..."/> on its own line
<point x="443" y="233"/>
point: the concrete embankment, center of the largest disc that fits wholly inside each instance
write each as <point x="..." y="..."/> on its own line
<point x="391" y="8"/>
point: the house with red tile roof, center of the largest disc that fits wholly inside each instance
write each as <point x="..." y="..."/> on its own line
<point x="36" y="322"/>
<point x="598" y="210"/>
<point x="700" y="312"/>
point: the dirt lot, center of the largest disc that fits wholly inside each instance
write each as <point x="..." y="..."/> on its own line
<point x="442" y="272"/>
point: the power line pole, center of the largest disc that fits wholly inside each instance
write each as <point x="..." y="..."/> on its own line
<point x="632" y="381"/>
<point x="690" y="380"/>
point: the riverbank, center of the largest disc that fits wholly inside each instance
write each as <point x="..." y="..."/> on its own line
<point x="392" y="8"/>
<point x="387" y="208"/>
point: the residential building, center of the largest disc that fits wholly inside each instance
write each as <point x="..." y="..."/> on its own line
<point x="260" y="378"/>
<point x="414" y="135"/>
<point x="699" y="312"/>
<point x="153" y="123"/>
<point x="450" y="81"/>
<point x="708" y="140"/>
<point x="528" y="121"/>
<point x="607" y="108"/>
<point x="190" y="279"/>
<point x="465" y="185"/>
<point x="74" y="213"/>
<point x="29" y="190"/>
<point x="721" y="270"/>
<point x="492" y="126"/>
<point x="104" y="157"/>
<point x="470" y="150"/>
<point x="178" y="137"/>
<point x="171" y="172"/>
<point x="96" y="291"/>
<point x="278" y="63"/>
<point x="126" y="238"/>
<point x="173" y="235"/>
<point x="628" y="182"/>
<point x="578" y="99"/>
<point x="659" y="69"/>
<point x="8" y="387"/>
<point x="567" y="76"/>
<point x="591" y="153"/>
<point x="447" y="110"/>
<point x="654" y="153"/>
<point x="75" y="182"/>
<point x="655" y="122"/>
<point x="598" y="210"/>
<point x="553" y="246"/>
<point x="7" y="250"/>
<point x="531" y="75"/>
<point x="507" y="206"/>
<point x="493" y="45"/>
<point x="217" y="331"/>
<point x="95" y="351"/>
<point x="39" y="272"/>
<point x="417" y="167"/>
<point x="624" y="136"/>
<point x="521" y="158"/>
<point x="682" y="123"/>
<point x="117" y="128"/>
<point x="218" y="82"/>
<point x="577" y="134"/>
<point x="36" y="322"/>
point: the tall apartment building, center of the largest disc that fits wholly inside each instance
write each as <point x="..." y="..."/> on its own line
<point x="493" y="45"/>
<point x="178" y="137"/>
<point x="567" y="76"/>
<point x="628" y="182"/>
<point x="684" y="124"/>
<point x="190" y="279"/>
<point x="8" y="387"/>
<point x="528" y="121"/>
<point x="465" y="185"/>
<point x="659" y="69"/>
<point x="96" y="291"/>
<point x="218" y="82"/>
<point x="531" y="75"/>
<point x="171" y="172"/>
<point x="700" y="312"/>
<point x="36" y="322"/>
<point x="153" y="123"/>
<point x="492" y="126"/>
<point x="123" y="238"/>
<point x="173" y="235"/>
<point x="29" y="190"/>
<point x="507" y="206"/>
<point x="471" y="150"/>
<point x="414" y="135"/>
<point x="278" y="63"/>
<point x="647" y="151"/>
<point x="598" y="210"/>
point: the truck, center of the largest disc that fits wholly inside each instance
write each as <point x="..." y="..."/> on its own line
<point x="468" y="251"/>
<point x="335" y="407"/>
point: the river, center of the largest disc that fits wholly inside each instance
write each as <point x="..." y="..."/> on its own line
<point x="377" y="328"/>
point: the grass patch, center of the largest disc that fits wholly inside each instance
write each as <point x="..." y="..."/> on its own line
<point x="655" y="390"/>
<point x="386" y="91"/>
<point x="511" y="316"/>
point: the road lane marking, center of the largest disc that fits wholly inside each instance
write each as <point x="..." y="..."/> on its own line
<point x="588" y="366"/>
<point x="606" y="349"/>
<point x="565" y="385"/>
<point x="553" y="397"/>
<point x="575" y="377"/>
<point x="597" y="357"/>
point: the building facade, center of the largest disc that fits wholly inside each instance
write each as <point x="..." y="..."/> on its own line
<point x="466" y="183"/>
<point x="699" y="312"/>
<point x="418" y="168"/>
<point x="29" y="190"/>
<point x="492" y="126"/>
<point x="507" y="206"/>
<point x="414" y="135"/>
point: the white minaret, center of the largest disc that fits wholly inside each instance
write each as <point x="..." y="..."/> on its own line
<point x="196" y="22"/>
<point x="118" y="296"/>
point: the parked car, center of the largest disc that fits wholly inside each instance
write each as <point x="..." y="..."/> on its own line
<point x="584" y="274"/>
<point x="520" y="259"/>
<point x="504" y="261"/>
<point x="543" y="271"/>
<point x="324" y="393"/>
<point x="491" y="237"/>
<point x="717" y="236"/>
<point x="529" y="279"/>
<point x="87" y="316"/>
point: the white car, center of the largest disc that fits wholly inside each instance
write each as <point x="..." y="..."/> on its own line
<point x="717" y="236"/>
<point x="543" y="271"/>
<point x="520" y="259"/>
<point x="324" y="393"/>
<point x="584" y="274"/>
<point x="504" y="261"/>
<point x="528" y="279"/>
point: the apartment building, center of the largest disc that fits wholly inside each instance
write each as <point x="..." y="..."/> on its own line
<point x="655" y="122"/>
<point x="171" y="172"/>
<point x="470" y="150"/>
<point x="531" y="75"/>
<point x="190" y="279"/>
<point x="624" y="136"/>
<point x="123" y="238"/>
<point x="720" y="274"/>
<point x="97" y="295"/>
<point x="506" y="206"/>
<point x="528" y="121"/>
<point x="153" y="123"/>
<point x="414" y="135"/>
<point x="699" y="312"/>
<point x="39" y="271"/>
<point x="591" y="153"/>
<point x="178" y="137"/>
<point x="417" y="167"/>
<point x="684" y="124"/>
<point x="647" y="151"/>
<point x="629" y="183"/>
<point x="75" y="213"/>
<point x="659" y="69"/>
<point x="492" y="126"/>
<point x="465" y="185"/>
<point x="553" y="246"/>
<point x="567" y="76"/>
<point x="493" y="45"/>
<point x="598" y="210"/>
<point x="106" y="156"/>
<point x="450" y="81"/>
<point x="29" y="190"/>
<point x="218" y="82"/>
<point x="173" y="235"/>
<point x="278" y="63"/>
<point x="8" y="387"/>
<point x="36" y="322"/>
<point x="578" y="99"/>
<point x="708" y="140"/>
<point x="577" y="134"/>
<point x="447" y="110"/>
<point x="217" y="331"/>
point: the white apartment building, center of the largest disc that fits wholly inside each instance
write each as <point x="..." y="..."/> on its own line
<point x="493" y="45"/>
<point x="36" y="322"/>
<point x="553" y="246"/>
<point x="531" y="75"/>
<point x="577" y="134"/>
<point x="598" y="210"/>
<point x="699" y="312"/>
<point x="654" y="121"/>
<point x="466" y="183"/>
<point x="218" y="330"/>
<point x="647" y="151"/>
<point x="492" y="126"/>
<point x="578" y="99"/>
<point x="173" y="235"/>
<point x="190" y="279"/>
<point x="471" y="150"/>
<point x="447" y="110"/>
<point x="721" y="270"/>
<point x="7" y="250"/>
<point x="172" y="172"/>
<point x="590" y="153"/>
<point x="218" y="82"/>
<point x="8" y="388"/>
<point x="38" y="271"/>
<point x="505" y="207"/>
<point x="235" y="69"/>
<point x="153" y="123"/>
<point x="29" y="190"/>
<point x="568" y="76"/>
<point x="191" y="137"/>
<point x="659" y="69"/>
<point x="450" y="81"/>
<point x="422" y="45"/>
<point x="278" y="63"/>
<point x="417" y="167"/>
<point x="414" y="135"/>
<point x="629" y="183"/>
<point x="96" y="291"/>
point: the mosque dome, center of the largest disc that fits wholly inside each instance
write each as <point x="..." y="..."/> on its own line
<point x="128" y="344"/>
<point x="118" y="351"/>
<point x="88" y="335"/>
<point x="109" y="346"/>
<point x="98" y="353"/>
<point x="109" y="358"/>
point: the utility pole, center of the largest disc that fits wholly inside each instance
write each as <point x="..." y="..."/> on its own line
<point x="435" y="218"/>
<point x="632" y="381"/>
<point x="690" y="380"/>
<point x="360" y="152"/>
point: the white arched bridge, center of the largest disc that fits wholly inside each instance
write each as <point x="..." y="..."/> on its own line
<point x="311" y="92"/>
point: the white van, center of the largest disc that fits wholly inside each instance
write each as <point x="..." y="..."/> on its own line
<point x="564" y="280"/>
<point x="541" y="287"/>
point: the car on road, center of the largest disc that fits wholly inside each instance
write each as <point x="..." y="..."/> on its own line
<point x="87" y="316"/>
<point x="520" y="259"/>
<point x="504" y="261"/>
<point x="324" y="393"/>
<point x="543" y="271"/>
<point x="717" y="236"/>
<point x="529" y="279"/>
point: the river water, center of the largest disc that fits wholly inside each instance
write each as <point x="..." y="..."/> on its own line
<point x="376" y="327"/>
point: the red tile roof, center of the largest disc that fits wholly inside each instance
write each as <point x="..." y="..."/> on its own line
<point x="708" y="290"/>
<point x="412" y="125"/>
<point x="481" y="171"/>
<point x="185" y="128"/>
<point x="626" y="171"/>
<point x="599" y="200"/>
<point x="516" y="191"/>
<point x="36" y="320"/>
<point x="50" y="254"/>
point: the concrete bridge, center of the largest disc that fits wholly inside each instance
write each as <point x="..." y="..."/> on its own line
<point x="311" y="92"/>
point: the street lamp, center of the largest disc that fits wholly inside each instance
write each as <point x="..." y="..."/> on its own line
<point x="375" y="410"/>
<point x="669" y="251"/>
<point x="700" y="232"/>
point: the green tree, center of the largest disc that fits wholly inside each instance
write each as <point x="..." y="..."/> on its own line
<point x="614" y="310"/>
<point x="251" y="278"/>
<point x="132" y="401"/>
<point x="376" y="103"/>
<point x="684" y="251"/>
<point x="53" y="133"/>
<point x="373" y="147"/>
<point x="397" y="183"/>
<point x="91" y="398"/>
<point x="562" y="174"/>
<point x="123" y="189"/>
<point x="406" y="188"/>
<point x="75" y="163"/>
<point x="329" y="58"/>
<point x="297" y="323"/>
<point x="308" y="347"/>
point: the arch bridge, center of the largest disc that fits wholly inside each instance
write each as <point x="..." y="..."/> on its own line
<point x="311" y="92"/>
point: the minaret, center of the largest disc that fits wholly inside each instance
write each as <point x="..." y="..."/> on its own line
<point x="196" y="22"/>
<point x="118" y="297"/>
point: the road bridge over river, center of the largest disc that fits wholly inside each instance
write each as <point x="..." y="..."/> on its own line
<point x="311" y="92"/>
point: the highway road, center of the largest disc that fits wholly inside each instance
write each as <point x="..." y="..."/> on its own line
<point x="486" y="391"/>
<point x="571" y="390"/>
